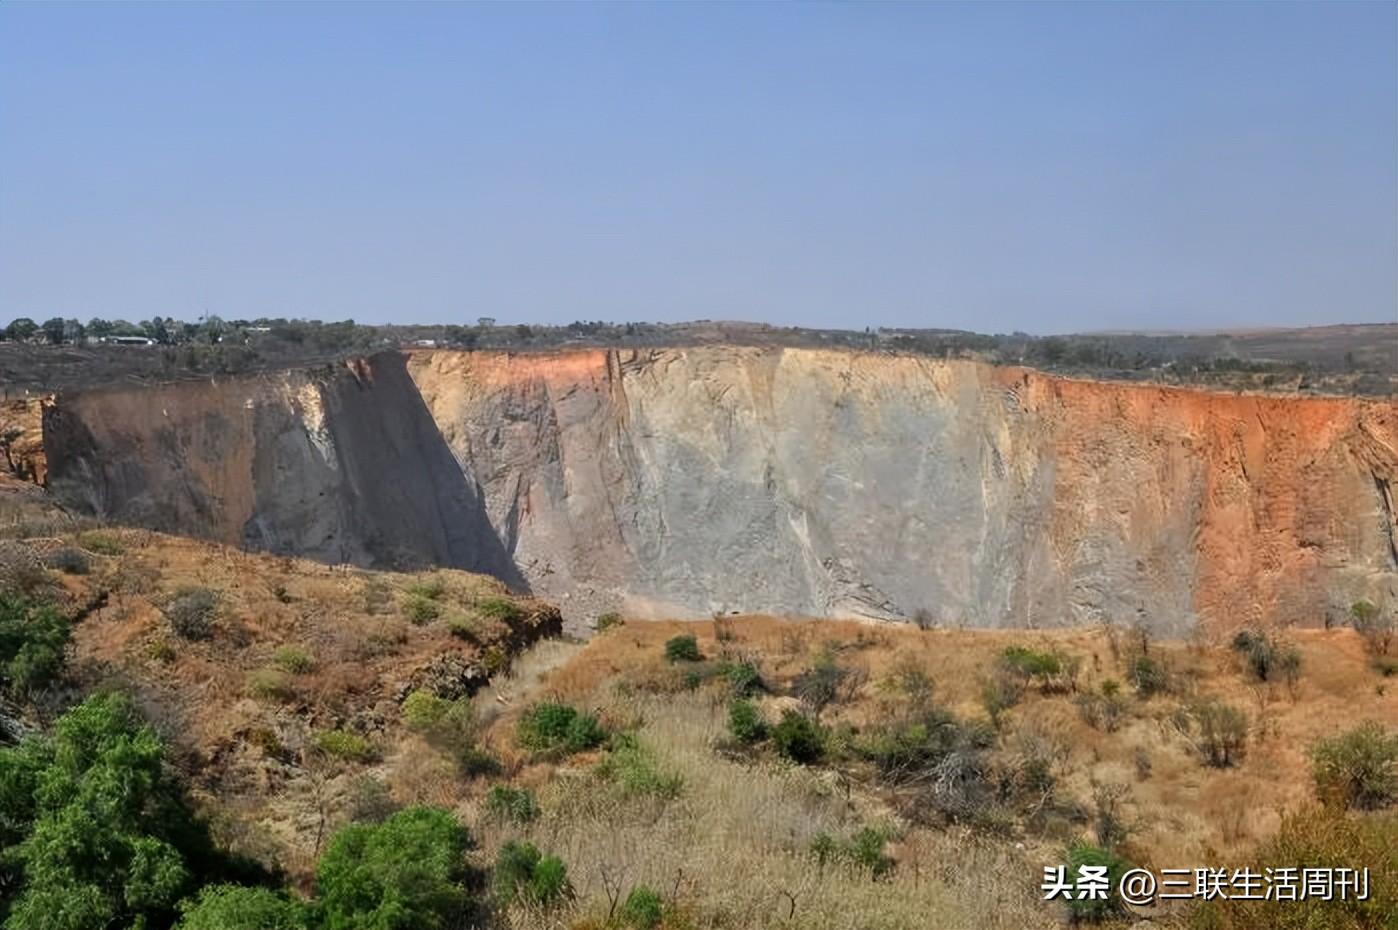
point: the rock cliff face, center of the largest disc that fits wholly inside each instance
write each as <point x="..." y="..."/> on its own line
<point x="784" y="480"/>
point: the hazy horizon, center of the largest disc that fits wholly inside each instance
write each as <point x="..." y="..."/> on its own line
<point x="997" y="167"/>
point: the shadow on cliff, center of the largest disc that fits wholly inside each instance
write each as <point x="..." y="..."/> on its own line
<point x="401" y="482"/>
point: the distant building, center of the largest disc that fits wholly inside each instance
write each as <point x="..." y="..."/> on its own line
<point x="486" y="322"/>
<point x="129" y="341"/>
<point x="425" y="343"/>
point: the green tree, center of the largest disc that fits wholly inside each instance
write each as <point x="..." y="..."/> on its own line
<point x="94" y="832"/>
<point x="403" y="874"/>
<point x="235" y="907"/>
<point x="20" y="329"/>
<point x="53" y="330"/>
<point x="32" y="638"/>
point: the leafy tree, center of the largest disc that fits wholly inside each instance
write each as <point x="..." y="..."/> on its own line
<point x="53" y="330"/>
<point x="236" y="907"/>
<point x="32" y="638"/>
<point x="94" y="831"/>
<point x="403" y="874"/>
<point x="1358" y="768"/>
<point x="20" y="329"/>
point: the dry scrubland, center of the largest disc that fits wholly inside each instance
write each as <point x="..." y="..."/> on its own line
<point x="298" y="698"/>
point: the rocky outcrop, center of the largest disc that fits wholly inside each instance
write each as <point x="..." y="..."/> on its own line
<point x="833" y="483"/>
<point x="340" y="464"/>
<point x="843" y="483"/>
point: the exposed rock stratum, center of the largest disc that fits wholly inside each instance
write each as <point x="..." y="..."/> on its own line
<point x="830" y="483"/>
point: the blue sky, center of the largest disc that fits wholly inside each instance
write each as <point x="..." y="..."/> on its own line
<point x="991" y="167"/>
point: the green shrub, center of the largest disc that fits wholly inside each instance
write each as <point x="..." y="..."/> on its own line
<point x="69" y="560"/>
<point x="1102" y="710"/>
<point x="1222" y="730"/>
<point x="644" y="909"/>
<point x="683" y="649"/>
<point x="430" y="588"/>
<point x="743" y="678"/>
<point x="294" y="659"/>
<point x="551" y="727"/>
<point x="1377" y="628"/>
<point x="344" y="744"/>
<point x="94" y="830"/>
<point x="819" y="686"/>
<point x="100" y="543"/>
<point x="234" y="907"/>
<point x="1095" y="909"/>
<point x="1148" y="676"/>
<point x="423" y="709"/>
<point x="1321" y="838"/>
<point x="1051" y="671"/>
<point x="799" y="738"/>
<point x="420" y="609"/>
<point x="192" y="611"/>
<point x="1002" y="689"/>
<point x="465" y="626"/>
<point x="1268" y="658"/>
<point x="33" y="637"/>
<point x="513" y="804"/>
<point x="450" y="727"/>
<point x="270" y="684"/>
<point x="522" y="873"/>
<point x="634" y="768"/>
<point x="403" y="874"/>
<point x="607" y="620"/>
<point x="745" y="722"/>
<point x="1357" y="768"/>
<point x="498" y="608"/>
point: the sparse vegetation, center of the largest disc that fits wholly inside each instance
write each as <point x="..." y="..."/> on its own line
<point x="1221" y="732"/>
<point x="270" y="684"/>
<point x="524" y="874"/>
<point x="422" y="710"/>
<point x="1358" y="768"/>
<point x="1376" y="626"/>
<point x="605" y="621"/>
<point x="501" y="609"/>
<point x="634" y="768"/>
<point x="516" y="805"/>
<point x="1268" y="657"/>
<point x="69" y="560"/>
<point x="101" y="543"/>
<point x="865" y="850"/>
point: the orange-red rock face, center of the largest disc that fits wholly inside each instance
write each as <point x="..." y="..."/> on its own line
<point x="689" y="481"/>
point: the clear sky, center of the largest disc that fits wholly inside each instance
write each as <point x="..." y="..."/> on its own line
<point x="990" y="167"/>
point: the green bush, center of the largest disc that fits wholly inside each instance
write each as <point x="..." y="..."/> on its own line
<point x="420" y="609"/>
<point x="1357" y="768"/>
<point x="430" y="588"/>
<point x="423" y="709"/>
<point x="1268" y="658"/>
<point x="465" y="626"/>
<point x="524" y="874"/>
<point x="33" y="637"/>
<point x="403" y="874"/>
<point x="498" y="608"/>
<point x="551" y="727"/>
<point x="683" y="649"/>
<point x="1222" y="730"/>
<point x="450" y="727"/>
<point x="234" y="907"/>
<point x="819" y="686"/>
<point x="799" y="738"/>
<point x="270" y="684"/>
<point x="607" y="620"/>
<point x="69" y="560"/>
<point x="1377" y="628"/>
<point x="644" y="909"/>
<point x="192" y="611"/>
<point x="1000" y="691"/>
<point x="294" y="659"/>
<point x="865" y="850"/>
<point x="1095" y="909"/>
<point x="344" y="744"/>
<point x="743" y="678"/>
<point x="745" y="722"/>
<point x="634" y="768"/>
<point x="100" y="543"/>
<point x="1321" y="838"/>
<point x="1148" y="676"/>
<point x="512" y="804"/>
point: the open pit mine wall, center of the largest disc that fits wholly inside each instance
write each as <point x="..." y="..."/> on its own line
<point x="689" y="481"/>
